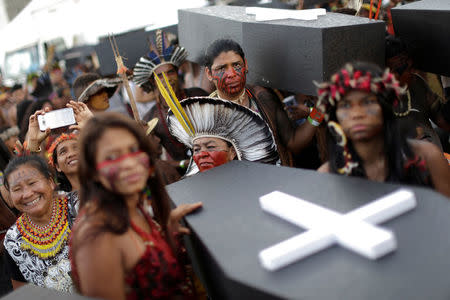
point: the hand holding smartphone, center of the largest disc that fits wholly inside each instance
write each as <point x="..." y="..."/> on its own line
<point x="56" y="118"/>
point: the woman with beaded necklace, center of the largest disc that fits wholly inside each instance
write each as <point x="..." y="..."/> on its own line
<point x="37" y="244"/>
<point x="360" y="104"/>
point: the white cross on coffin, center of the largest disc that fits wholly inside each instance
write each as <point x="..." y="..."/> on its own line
<point x="268" y="14"/>
<point x="355" y="230"/>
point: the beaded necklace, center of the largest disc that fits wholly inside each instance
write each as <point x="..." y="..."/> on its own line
<point x="46" y="241"/>
<point x="408" y="110"/>
<point x="251" y="103"/>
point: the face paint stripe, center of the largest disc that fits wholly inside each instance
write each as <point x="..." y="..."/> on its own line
<point x="117" y="160"/>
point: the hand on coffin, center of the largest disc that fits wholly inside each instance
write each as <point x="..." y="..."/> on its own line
<point x="81" y="112"/>
<point x="176" y="214"/>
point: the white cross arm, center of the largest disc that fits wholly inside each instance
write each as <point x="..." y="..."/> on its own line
<point x="351" y="230"/>
<point x="268" y="14"/>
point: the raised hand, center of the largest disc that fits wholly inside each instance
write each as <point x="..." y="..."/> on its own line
<point x="81" y="112"/>
<point x="35" y="136"/>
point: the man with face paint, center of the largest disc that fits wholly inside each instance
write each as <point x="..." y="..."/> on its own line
<point x="94" y="91"/>
<point x="222" y="131"/>
<point x="164" y="58"/>
<point x="227" y="68"/>
<point x="421" y="103"/>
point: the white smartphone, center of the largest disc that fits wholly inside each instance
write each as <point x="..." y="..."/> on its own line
<point x="56" y="118"/>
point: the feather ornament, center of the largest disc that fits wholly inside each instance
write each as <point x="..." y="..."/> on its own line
<point x="212" y="117"/>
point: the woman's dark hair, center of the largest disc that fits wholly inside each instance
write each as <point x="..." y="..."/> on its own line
<point x="34" y="161"/>
<point x="37" y="105"/>
<point x="396" y="146"/>
<point x="107" y="202"/>
<point x="219" y="46"/>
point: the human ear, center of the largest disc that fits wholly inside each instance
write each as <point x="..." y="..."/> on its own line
<point x="208" y="73"/>
<point x="232" y="154"/>
<point x="52" y="183"/>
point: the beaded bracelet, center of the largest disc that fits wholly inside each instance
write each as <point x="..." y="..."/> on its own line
<point x="315" y="118"/>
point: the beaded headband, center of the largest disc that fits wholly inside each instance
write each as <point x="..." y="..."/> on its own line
<point x="348" y="79"/>
<point x="61" y="138"/>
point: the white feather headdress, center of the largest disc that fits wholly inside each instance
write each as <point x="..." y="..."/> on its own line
<point x="212" y="117"/>
<point x="159" y="55"/>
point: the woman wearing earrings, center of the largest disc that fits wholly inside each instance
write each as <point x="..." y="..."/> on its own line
<point x="118" y="250"/>
<point x="364" y="140"/>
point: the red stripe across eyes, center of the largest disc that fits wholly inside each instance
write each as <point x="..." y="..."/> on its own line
<point x="119" y="159"/>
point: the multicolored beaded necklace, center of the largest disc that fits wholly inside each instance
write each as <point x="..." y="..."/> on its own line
<point x="47" y="241"/>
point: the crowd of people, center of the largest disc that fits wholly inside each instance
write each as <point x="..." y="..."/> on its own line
<point x="84" y="209"/>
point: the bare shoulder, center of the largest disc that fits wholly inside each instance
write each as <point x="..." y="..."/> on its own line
<point x="436" y="163"/>
<point x="325" y="168"/>
<point x="426" y="150"/>
<point x="87" y="233"/>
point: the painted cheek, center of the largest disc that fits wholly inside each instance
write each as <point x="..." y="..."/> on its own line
<point x="144" y="160"/>
<point x="341" y="115"/>
<point x="219" y="157"/>
<point x="203" y="157"/>
<point x="242" y="78"/>
<point x="373" y="111"/>
<point x="219" y="78"/>
<point x="111" y="173"/>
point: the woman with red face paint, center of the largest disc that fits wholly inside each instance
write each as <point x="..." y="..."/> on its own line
<point x="227" y="68"/>
<point x="364" y="137"/>
<point x="120" y="251"/>
<point x="223" y="131"/>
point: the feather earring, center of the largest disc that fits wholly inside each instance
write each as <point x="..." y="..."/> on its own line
<point x="345" y="164"/>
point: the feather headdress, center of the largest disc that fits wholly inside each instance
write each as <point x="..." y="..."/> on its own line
<point x="212" y="117"/>
<point x="110" y="85"/>
<point x="160" y="54"/>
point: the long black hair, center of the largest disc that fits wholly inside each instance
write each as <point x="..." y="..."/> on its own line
<point x="110" y="203"/>
<point x="397" y="150"/>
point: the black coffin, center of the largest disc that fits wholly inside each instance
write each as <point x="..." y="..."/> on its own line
<point x="231" y="229"/>
<point x="285" y="54"/>
<point x="32" y="292"/>
<point x="425" y="27"/>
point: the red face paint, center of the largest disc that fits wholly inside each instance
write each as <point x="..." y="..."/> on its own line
<point x="208" y="160"/>
<point x="231" y="80"/>
<point x="110" y="169"/>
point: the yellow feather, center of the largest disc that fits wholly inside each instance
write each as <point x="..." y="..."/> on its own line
<point x="177" y="103"/>
<point x="172" y="105"/>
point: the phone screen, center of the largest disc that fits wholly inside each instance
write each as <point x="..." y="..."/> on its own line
<point x="56" y="118"/>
